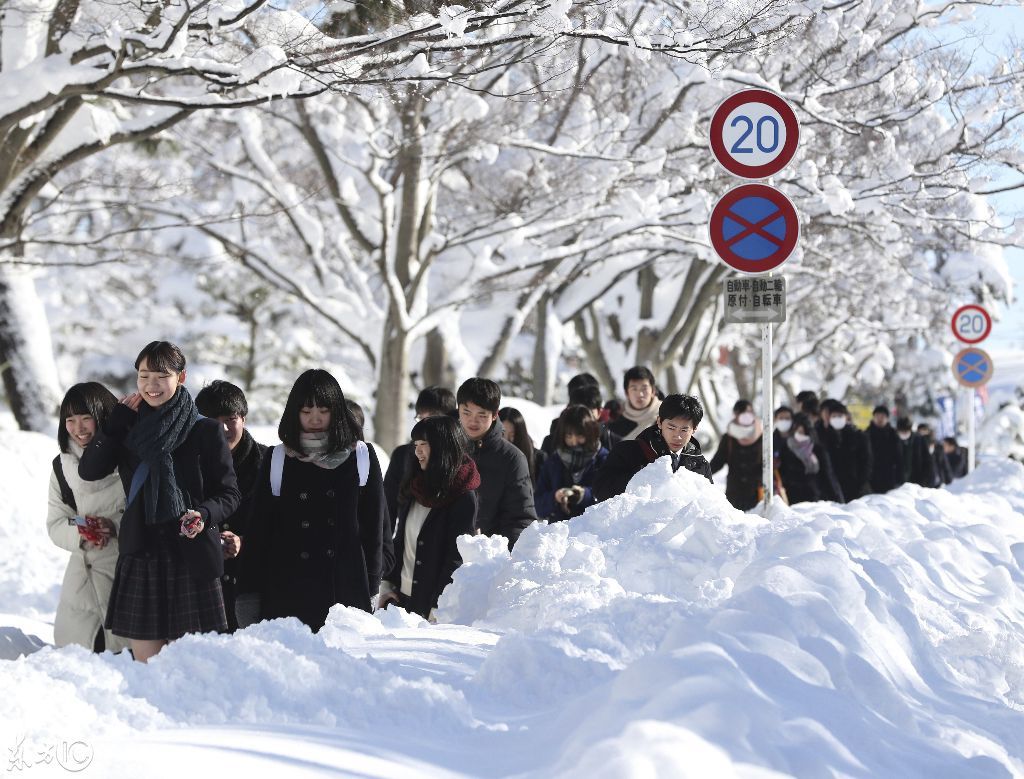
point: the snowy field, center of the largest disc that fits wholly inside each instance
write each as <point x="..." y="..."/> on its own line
<point x="662" y="634"/>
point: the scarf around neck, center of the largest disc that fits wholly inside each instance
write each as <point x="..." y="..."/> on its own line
<point x="745" y="435"/>
<point x="643" y="418"/>
<point x="153" y="439"/>
<point x="467" y="478"/>
<point x="314" y="450"/>
<point x="805" y="451"/>
<point x="576" y="460"/>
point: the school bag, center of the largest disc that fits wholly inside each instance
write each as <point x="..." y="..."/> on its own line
<point x="66" y="494"/>
<point x="277" y="466"/>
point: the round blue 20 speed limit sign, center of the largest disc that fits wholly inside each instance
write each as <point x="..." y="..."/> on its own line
<point x="754" y="134"/>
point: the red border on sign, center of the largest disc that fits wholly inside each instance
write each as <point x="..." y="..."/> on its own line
<point x="983" y="312"/>
<point x="716" y="134"/>
<point x="988" y="376"/>
<point x="717" y="222"/>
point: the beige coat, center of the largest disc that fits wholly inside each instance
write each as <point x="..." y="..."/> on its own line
<point x="90" y="573"/>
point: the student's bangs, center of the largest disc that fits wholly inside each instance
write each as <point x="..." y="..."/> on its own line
<point x="161" y="357"/>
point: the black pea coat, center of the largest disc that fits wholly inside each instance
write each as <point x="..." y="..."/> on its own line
<point x="850" y="452"/>
<point x="630" y="456"/>
<point x="887" y="458"/>
<point x="802" y="487"/>
<point x="247" y="458"/>
<point x="205" y="476"/>
<point x="506" y="490"/>
<point x="744" y="475"/>
<point x="942" y="467"/>
<point x="918" y="463"/>
<point x="317" y="544"/>
<point x="437" y="553"/>
<point x="957" y="462"/>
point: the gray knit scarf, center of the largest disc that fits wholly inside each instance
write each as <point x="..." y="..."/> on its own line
<point x="314" y="450"/>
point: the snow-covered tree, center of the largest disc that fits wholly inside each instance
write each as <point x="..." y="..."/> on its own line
<point x="82" y="76"/>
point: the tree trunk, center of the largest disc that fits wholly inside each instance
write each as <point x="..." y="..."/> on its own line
<point x="647" y="338"/>
<point x="547" y="348"/>
<point x="26" y="353"/>
<point x="391" y="419"/>
<point x="437" y="370"/>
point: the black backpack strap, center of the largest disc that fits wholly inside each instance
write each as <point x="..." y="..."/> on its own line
<point x="66" y="494"/>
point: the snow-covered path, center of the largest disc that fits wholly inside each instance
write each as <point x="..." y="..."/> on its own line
<point x="662" y="634"/>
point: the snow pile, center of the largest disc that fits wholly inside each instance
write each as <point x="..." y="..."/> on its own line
<point x="884" y="636"/>
<point x="661" y="634"/>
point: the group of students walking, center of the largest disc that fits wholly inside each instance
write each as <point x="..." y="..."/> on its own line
<point x="178" y="521"/>
<point x="818" y="454"/>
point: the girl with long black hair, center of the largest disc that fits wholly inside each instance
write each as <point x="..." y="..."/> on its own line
<point x="514" y="431"/>
<point x="83" y="518"/>
<point x="180" y="484"/>
<point x="437" y="504"/>
<point x="316" y="533"/>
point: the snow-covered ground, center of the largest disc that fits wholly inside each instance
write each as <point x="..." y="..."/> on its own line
<point x="662" y="634"/>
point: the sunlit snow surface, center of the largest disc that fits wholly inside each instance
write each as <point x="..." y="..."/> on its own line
<point x="661" y="634"/>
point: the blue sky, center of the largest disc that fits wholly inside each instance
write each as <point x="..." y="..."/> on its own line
<point x="999" y="26"/>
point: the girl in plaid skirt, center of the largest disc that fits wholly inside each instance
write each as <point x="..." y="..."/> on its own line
<point x="177" y="473"/>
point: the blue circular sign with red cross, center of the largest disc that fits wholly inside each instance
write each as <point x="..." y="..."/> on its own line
<point x="973" y="367"/>
<point x="754" y="228"/>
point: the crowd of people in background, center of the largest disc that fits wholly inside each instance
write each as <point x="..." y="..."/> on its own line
<point x="179" y="521"/>
<point x="819" y="454"/>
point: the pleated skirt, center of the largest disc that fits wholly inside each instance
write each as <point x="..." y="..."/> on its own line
<point x="154" y="597"/>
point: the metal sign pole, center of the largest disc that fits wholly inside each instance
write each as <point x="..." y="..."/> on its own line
<point x="970" y="428"/>
<point x="767" y="442"/>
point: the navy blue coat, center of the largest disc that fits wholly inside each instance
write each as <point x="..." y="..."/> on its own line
<point x="554" y="476"/>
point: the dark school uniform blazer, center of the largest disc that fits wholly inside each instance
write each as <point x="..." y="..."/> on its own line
<point x="205" y="476"/>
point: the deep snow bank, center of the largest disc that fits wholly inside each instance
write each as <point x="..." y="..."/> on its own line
<point x="883" y="637"/>
<point x="661" y="634"/>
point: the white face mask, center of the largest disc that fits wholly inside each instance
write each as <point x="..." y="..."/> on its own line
<point x="904" y="436"/>
<point x="783" y="425"/>
<point x="838" y="422"/>
<point x="801" y="437"/>
<point x="746" y="418"/>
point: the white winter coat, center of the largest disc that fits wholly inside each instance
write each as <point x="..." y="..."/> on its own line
<point x="90" y="573"/>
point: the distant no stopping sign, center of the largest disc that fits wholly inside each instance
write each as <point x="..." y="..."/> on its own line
<point x="754" y="228"/>
<point x="973" y="367"/>
<point x="754" y="134"/>
<point x="971" y="324"/>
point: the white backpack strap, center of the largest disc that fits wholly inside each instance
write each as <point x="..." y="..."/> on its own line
<point x="362" y="462"/>
<point x="276" y="470"/>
